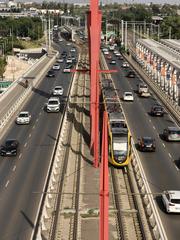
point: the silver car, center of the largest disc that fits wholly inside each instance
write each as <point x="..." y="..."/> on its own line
<point x="172" y="134"/>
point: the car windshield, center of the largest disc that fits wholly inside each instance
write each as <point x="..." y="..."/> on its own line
<point x="53" y="102"/>
<point x="120" y="153"/>
<point x="9" y="143"/>
<point x="176" y="201"/>
<point x="175" y="132"/>
<point x="128" y="94"/>
<point x="147" y="140"/>
<point x="22" y="115"/>
<point x="58" y="88"/>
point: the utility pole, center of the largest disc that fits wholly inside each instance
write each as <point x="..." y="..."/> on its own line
<point x="170" y="29"/>
<point x="49" y="29"/>
<point x="122" y="32"/>
<point x="126" y="36"/>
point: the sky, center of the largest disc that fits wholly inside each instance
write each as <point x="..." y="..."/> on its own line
<point x="109" y="1"/>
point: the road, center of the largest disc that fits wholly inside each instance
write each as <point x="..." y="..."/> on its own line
<point x="23" y="176"/>
<point x="162" y="167"/>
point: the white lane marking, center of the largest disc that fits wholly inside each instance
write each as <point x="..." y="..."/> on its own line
<point x="14" y="168"/>
<point x="7" y="184"/>
<point x="25" y="144"/>
<point x="33" y="127"/>
<point x="149" y="120"/>
<point x="29" y="135"/>
<point x="20" y="155"/>
<point x="37" y="120"/>
<point x="154" y="127"/>
<point x="40" y="113"/>
<point x="163" y="145"/>
<point x="169" y="155"/>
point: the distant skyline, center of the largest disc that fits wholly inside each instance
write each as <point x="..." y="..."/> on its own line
<point x="108" y="1"/>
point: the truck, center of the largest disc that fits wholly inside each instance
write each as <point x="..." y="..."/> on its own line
<point x="143" y="90"/>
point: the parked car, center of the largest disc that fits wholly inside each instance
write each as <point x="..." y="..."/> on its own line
<point x="171" y="201"/>
<point x="50" y="73"/>
<point x="69" y="60"/>
<point x="58" y="91"/>
<point x="53" y="105"/>
<point x="128" y="96"/>
<point x="172" y="134"/>
<point x="157" y="110"/>
<point x="23" y="118"/>
<point x="9" y="148"/>
<point x="56" y="66"/>
<point x="147" y="144"/>
<point x="131" y="74"/>
<point x="60" y="60"/>
<point x="73" y="49"/>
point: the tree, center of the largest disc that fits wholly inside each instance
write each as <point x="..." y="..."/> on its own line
<point x="2" y="66"/>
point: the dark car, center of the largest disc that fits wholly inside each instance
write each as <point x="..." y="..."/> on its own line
<point x="50" y="74"/>
<point x="131" y="74"/>
<point x="147" y="144"/>
<point x="157" y="110"/>
<point x="10" y="148"/>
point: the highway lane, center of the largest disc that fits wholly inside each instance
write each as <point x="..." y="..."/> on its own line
<point x="23" y="176"/>
<point x="160" y="168"/>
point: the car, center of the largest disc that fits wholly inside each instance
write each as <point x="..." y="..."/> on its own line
<point x="53" y="104"/>
<point x="131" y="74"/>
<point x="56" y="66"/>
<point x="172" y="134"/>
<point x="60" y="60"/>
<point x="9" y="148"/>
<point x="113" y="62"/>
<point x="58" y="91"/>
<point x="146" y="144"/>
<point x="117" y="54"/>
<point x="68" y="44"/>
<point x="67" y="68"/>
<point x="157" y="110"/>
<point x="106" y="52"/>
<point x="171" y="201"/>
<point x="115" y="51"/>
<point x="73" y="49"/>
<point x="64" y="54"/>
<point x="23" y="118"/>
<point x="120" y="57"/>
<point x="125" y="64"/>
<point x="69" y="60"/>
<point x="50" y="73"/>
<point x="61" y="40"/>
<point x="128" y="96"/>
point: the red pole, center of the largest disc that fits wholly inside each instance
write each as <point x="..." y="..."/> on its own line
<point x="104" y="187"/>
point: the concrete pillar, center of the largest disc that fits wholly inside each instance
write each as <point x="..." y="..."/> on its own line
<point x="162" y="74"/>
<point x="158" y="71"/>
<point x="154" y="67"/>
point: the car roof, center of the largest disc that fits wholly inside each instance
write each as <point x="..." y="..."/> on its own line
<point x="53" y="98"/>
<point x="58" y="87"/>
<point x="24" y="112"/>
<point x="174" y="194"/>
<point x="173" y="128"/>
<point x="127" y="92"/>
<point x="147" y="138"/>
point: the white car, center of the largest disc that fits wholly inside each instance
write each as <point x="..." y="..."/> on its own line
<point x="23" y="118"/>
<point x="128" y="96"/>
<point x="69" y="60"/>
<point x="106" y="52"/>
<point x="73" y="50"/>
<point x="53" y="105"/>
<point x="68" y="44"/>
<point x="60" y="60"/>
<point x="56" y="66"/>
<point x="171" y="201"/>
<point x="117" y="54"/>
<point x="125" y="64"/>
<point x="58" y="91"/>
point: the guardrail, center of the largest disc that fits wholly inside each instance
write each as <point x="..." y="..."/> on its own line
<point x="44" y="213"/>
<point x="150" y="206"/>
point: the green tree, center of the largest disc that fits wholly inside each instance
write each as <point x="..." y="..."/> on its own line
<point x="2" y="66"/>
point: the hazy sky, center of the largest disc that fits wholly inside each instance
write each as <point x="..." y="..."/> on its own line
<point x="109" y="1"/>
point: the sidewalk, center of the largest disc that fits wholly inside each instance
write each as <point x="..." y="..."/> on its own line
<point x="15" y="68"/>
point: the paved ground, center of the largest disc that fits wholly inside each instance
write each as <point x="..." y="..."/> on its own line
<point x="15" y="68"/>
